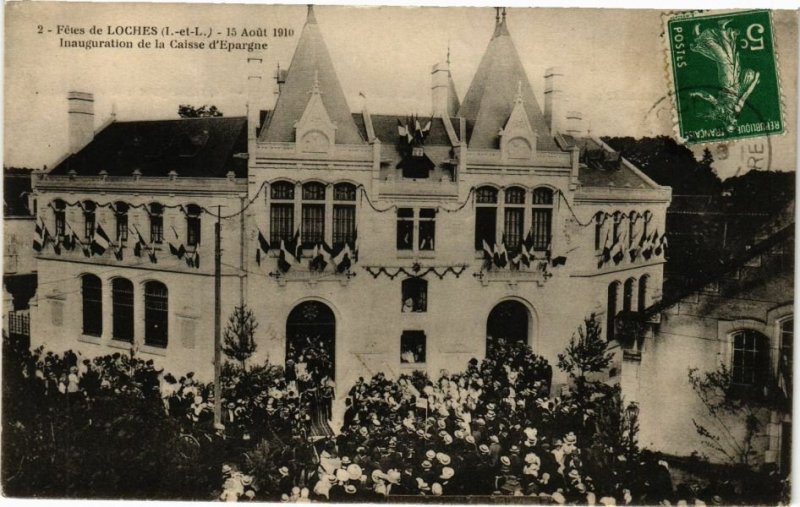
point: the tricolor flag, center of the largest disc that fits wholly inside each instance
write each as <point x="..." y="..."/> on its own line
<point x="401" y="130"/>
<point x="39" y="235"/>
<point x="342" y="259"/>
<point x="606" y="253"/>
<point x="192" y="259"/>
<point x="318" y="262"/>
<point x="355" y="245"/>
<point x="500" y="254"/>
<point x="559" y="261"/>
<point x="285" y="258"/>
<point x="263" y="247"/>
<point x="488" y="255"/>
<point x="178" y="251"/>
<point x="100" y="241"/>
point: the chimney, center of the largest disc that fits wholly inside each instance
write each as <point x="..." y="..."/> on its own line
<point x="574" y="123"/>
<point x="554" y="100"/>
<point x="253" y="94"/>
<point x="444" y="101"/>
<point x="81" y="120"/>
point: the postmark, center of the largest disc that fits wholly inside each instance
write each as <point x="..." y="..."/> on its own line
<point x="725" y="76"/>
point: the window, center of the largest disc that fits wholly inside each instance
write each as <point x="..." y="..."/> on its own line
<point x="193" y="213"/>
<point x="122" y="309"/>
<point x="750" y="359"/>
<point x="485" y="217"/>
<point x="59" y="212"/>
<point x="156" y="315"/>
<point x="611" y="311"/>
<point x="427" y="229"/>
<point x="407" y="221"/>
<point x="598" y="230"/>
<point x="627" y="295"/>
<point x="514" y="214"/>
<point x="542" y="218"/>
<point x="312" y="224"/>
<point x="281" y="216"/>
<point x="405" y="229"/>
<point x="92" y="296"/>
<point x="642" y="299"/>
<point x="412" y="347"/>
<point x="121" y="215"/>
<point x="415" y="295"/>
<point x="344" y="214"/>
<point x="89" y="209"/>
<point x="156" y="223"/>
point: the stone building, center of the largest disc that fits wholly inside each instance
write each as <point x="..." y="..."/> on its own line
<point x="394" y="243"/>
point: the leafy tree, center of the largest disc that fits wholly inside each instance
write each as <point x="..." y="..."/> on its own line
<point x="727" y="408"/>
<point x="238" y="338"/>
<point x="586" y="352"/>
<point x="204" y="111"/>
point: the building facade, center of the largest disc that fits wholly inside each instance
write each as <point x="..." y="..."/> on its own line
<point x="393" y="243"/>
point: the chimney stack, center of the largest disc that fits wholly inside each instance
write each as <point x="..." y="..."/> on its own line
<point x="81" y="120"/>
<point x="253" y="94"/>
<point x="575" y="123"/>
<point x="554" y="100"/>
<point x="444" y="100"/>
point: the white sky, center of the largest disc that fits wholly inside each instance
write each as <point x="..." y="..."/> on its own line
<point x="613" y="60"/>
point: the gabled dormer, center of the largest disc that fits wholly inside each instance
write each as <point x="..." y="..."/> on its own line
<point x="517" y="138"/>
<point x="315" y="132"/>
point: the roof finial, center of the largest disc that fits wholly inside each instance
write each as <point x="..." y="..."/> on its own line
<point x="311" y="19"/>
<point x="448" y="53"/>
<point x="497" y="16"/>
<point x="504" y="14"/>
<point x="315" y="86"/>
<point x="518" y="98"/>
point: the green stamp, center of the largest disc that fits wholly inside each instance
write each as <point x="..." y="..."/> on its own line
<point x="725" y="76"/>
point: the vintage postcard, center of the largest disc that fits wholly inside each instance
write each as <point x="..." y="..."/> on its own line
<point x="289" y="253"/>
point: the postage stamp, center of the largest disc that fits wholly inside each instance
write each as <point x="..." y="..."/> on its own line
<point x="724" y="74"/>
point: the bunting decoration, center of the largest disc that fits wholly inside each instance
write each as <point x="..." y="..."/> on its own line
<point x="416" y="271"/>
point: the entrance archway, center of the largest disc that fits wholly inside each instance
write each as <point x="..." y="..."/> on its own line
<point x="509" y="320"/>
<point x="311" y="339"/>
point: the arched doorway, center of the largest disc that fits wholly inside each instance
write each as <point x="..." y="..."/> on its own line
<point x="311" y="339"/>
<point x="509" y="320"/>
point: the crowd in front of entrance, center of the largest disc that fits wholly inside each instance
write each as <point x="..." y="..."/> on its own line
<point x="492" y="430"/>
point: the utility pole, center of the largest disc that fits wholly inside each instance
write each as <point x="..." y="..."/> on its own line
<point x="217" y="321"/>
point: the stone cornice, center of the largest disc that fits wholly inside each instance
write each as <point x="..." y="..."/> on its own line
<point x="143" y="185"/>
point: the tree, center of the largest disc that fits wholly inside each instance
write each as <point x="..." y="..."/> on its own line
<point x="727" y="409"/>
<point x="204" y="111"/>
<point x="239" y="342"/>
<point x="586" y="352"/>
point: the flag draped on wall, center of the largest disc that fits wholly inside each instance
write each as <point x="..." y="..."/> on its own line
<point x="178" y="251"/>
<point x="263" y="247"/>
<point x="39" y="234"/>
<point x="100" y="240"/>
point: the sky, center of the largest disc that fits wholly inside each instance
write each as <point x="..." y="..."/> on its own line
<point x="613" y="61"/>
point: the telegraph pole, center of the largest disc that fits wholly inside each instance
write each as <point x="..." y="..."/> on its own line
<point x="217" y="321"/>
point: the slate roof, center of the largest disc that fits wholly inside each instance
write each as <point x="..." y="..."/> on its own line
<point x="601" y="166"/>
<point x="193" y="147"/>
<point x="490" y="98"/>
<point x="385" y="126"/>
<point x="311" y="61"/>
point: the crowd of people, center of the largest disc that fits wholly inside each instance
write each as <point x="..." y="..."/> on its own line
<point x="491" y="430"/>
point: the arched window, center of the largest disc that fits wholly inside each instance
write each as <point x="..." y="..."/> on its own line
<point x="642" y="299"/>
<point x="485" y="217"/>
<point x="312" y="224"/>
<point x="59" y="213"/>
<point x="89" y="219"/>
<point x="344" y="214"/>
<point x="281" y="212"/>
<point x="611" y="310"/>
<point x="156" y="223"/>
<point x="751" y="366"/>
<point x="193" y="213"/>
<point x="542" y="218"/>
<point x="514" y="217"/>
<point x="121" y="216"/>
<point x="122" y="309"/>
<point x="156" y="314"/>
<point x="415" y="295"/>
<point x="92" y="297"/>
<point x="627" y="295"/>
